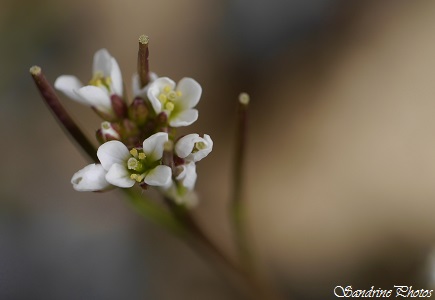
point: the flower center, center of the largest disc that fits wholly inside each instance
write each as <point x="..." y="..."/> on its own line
<point x="199" y="146"/>
<point x="168" y="97"/>
<point x="137" y="165"/>
<point x="99" y="80"/>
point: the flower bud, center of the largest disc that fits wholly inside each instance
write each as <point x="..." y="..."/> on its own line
<point x="119" y="106"/>
<point x="108" y="132"/>
<point x="129" y="127"/>
<point x="138" y="111"/>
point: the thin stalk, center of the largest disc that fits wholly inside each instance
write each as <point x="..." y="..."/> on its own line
<point x="238" y="213"/>
<point x="66" y="122"/>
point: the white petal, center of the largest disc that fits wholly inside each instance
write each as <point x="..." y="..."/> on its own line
<point x="90" y="179"/>
<point x="188" y="176"/>
<point x="155" y="89"/>
<point x="142" y="92"/>
<point x="96" y="97"/>
<point x="191" y="92"/>
<point x="107" y="129"/>
<point x="119" y="176"/>
<point x="183" y="118"/>
<point x="115" y="75"/>
<point x="153" y="146"/>
<point x="102" y="62"/>
<point x="67" y="84"/>
<point x="200" y="154"/>
<point x="112" y="152"/>
<point x="184" y="146"/>
<point x="159" y="176"/>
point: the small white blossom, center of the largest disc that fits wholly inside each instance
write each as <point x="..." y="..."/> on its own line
<point x="192" y="147"/>
<point x="123" y="168"/>
<point x="182" y="189"/>
<point x="176" y="101"/>
<point x="91" y="178"/>
<point x="187" y="175"/>
<point x="106" y="81"/>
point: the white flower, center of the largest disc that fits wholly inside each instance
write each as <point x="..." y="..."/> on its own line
<point x="123" y="168"/>
<point x="176" y="102"/>
<point x="106" y="81"/>
<point x="182" y="189"/>
<point x="89" y="179"/>
<point x="187" y="175"/>
<point x="192" y="147"/>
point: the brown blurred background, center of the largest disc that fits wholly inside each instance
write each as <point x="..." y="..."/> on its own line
<point x="341" y="159"/>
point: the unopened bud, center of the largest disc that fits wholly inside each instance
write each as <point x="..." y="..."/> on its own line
<point x="119" y="107"/>
<point x="138" y="111"/>
<point x="109" y="132"/>
<point x="130" y="129"/>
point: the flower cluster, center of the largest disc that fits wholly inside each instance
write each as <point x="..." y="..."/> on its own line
<point x="138" y="144"/>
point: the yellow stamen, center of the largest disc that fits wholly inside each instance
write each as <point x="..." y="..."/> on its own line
<point x="139" y="178"/>
<point x="133" y="176"/>
<point x="179" y="93"/>
<point x="169" y="106"/>
<point x="142" y="155"/>
<point x="167" y="89"/>
<point x="172" y="95"/>
<point x="99" y="80"/>
<point x="133" y="152"/>
<point x="163" y="98"/>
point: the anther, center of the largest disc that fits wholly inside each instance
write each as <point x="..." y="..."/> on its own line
<point x="169" y="106"/>
<point x="172" y="95"/>
<point x="142" y="155"/>
<point x="163" y="98"/>
<point x="133" y="152"/>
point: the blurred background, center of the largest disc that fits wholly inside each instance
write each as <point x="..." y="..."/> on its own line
<point x="341" y="160"/>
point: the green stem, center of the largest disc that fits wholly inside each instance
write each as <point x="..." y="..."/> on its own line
<point x="155" y="213"/>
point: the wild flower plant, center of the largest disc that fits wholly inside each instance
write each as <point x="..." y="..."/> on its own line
<point x="139" y="147"/>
